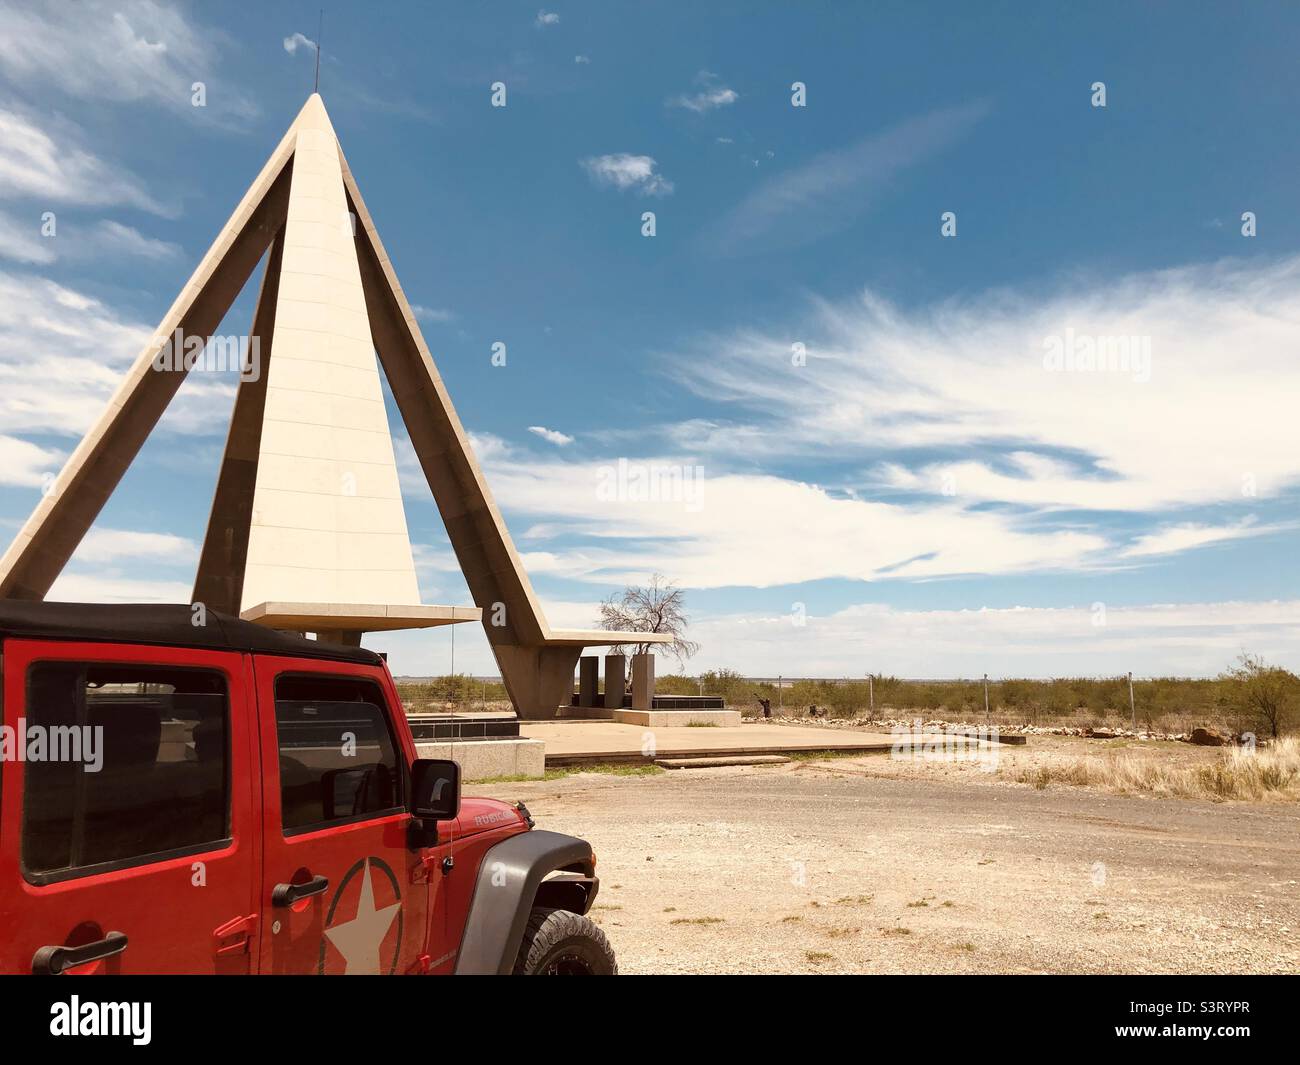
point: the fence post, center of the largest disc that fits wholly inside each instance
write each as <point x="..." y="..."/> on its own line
<point x="1132" y="707"/>
<point x="986" y="698"/>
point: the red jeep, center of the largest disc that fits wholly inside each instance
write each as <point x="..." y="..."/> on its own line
<point x="190" y="794"/>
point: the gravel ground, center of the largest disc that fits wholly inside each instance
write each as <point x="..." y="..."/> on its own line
<point x="864" y="864"/>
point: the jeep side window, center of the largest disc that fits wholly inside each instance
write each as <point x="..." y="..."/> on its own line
<point x="338" y="762"/>
<point x="130" y="763"/>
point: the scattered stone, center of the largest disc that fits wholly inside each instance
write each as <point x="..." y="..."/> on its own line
<point x="1210" y="737"/>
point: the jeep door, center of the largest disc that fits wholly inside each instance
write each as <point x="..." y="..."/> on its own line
<point x="128" y="834"/>
<point x="342" y="892"/>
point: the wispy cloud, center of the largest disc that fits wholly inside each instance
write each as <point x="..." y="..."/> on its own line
<point x="62" y="356"/>
<point x="552" y="436"/>
<point x="27" y="465"/>
<point x="46" y="161"/>
<point x="957" y="400"/>
<point x="804" y="204"/>
<point x="433" y="314"/>
<point x="710" y="94"/>
<point x="546" y="18"/>
<point x="956" y="451"/>
<point x="624" y="172"/>
<point x="21" y="240"/>
<point x="109" y="237"/>
<point x="1189" y="535"/>
<point x="113" y="545"/>
<point x="123" y="51"/>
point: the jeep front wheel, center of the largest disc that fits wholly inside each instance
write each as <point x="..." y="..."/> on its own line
<point x="560" y="943"/>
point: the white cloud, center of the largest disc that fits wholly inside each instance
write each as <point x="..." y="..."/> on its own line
<point x="582" y="59"/>
<point x="21" y="240"/>
<point x="1189" y="535"/>
<point x="46" y="163"/>
<point x="25" y="464"/>
<point x="433" y="314"/>
<point x="747" y="530"/>
<point x="101" y="546"/>
<point x="546" y="18"/>
<point x="63" y="354"/>
<point x="1191" y="639"/>
<point x="101" y="587"/>
<point x="963" y="385"/>
<point x="111" y="237"/>
<point x="822" y="195"/>
<point x="298" y="40"/>
<point x="710" y="95"/>
<point x="120" y="51"/>
<point x="624" y="171"/>
<point x="552" y="436"/>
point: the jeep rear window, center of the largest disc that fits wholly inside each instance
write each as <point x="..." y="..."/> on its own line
<point x="131" y="763"/>
<point x="338" y="762"/>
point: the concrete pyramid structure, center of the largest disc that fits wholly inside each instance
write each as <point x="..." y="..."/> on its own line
<point x="307" y="529"/>
<point x="327" y="522"/>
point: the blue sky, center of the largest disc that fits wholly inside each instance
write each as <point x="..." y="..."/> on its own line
<point x="919" y="493"/>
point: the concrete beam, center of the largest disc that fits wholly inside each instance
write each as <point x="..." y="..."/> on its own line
<point x="219" y="583"/>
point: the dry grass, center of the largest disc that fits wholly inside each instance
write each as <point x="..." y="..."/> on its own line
<point x="1267" y="773"/>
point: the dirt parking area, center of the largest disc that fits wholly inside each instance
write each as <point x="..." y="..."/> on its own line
<point x="870" y="864"/>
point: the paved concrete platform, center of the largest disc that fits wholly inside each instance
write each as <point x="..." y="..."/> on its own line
<point x="590" y="742"/>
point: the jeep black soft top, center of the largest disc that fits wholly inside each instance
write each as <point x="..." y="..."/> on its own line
<point x="167" y="624"/>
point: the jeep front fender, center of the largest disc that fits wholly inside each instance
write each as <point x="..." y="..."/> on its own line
<point x="507" y="884"/>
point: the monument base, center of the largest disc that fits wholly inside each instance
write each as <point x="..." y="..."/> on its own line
<point x="485" y="759"/>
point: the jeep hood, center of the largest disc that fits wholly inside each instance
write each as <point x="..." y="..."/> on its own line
<point x="485" y="815"/>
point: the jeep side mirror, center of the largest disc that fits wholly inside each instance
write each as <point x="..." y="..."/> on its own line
<point x="435" y="789"/>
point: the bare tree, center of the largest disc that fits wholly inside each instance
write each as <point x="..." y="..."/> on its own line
<point x="658" y="607"/>
<point x="1266" y="691"/>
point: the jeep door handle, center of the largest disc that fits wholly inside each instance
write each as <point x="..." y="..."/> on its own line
<point x="51" y="961"/>
<point x="288" y="894"/>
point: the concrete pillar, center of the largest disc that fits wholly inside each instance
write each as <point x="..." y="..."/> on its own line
<point x="615" y="681"/>
<point x="346" y="637"/>
<point x="588" y="680"/>
<point x="643" y="681"/>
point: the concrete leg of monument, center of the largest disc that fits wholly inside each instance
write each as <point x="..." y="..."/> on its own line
<point x="538" y="679"/>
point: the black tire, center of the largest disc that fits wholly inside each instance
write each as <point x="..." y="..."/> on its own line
<point x="560" y="943"/>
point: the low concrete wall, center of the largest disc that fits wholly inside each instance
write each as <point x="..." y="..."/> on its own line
<point x="664" y="718"/>
<point x="483" y="759"/>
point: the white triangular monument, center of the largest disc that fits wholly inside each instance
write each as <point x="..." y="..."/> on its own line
<point x="307" y="530"/>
